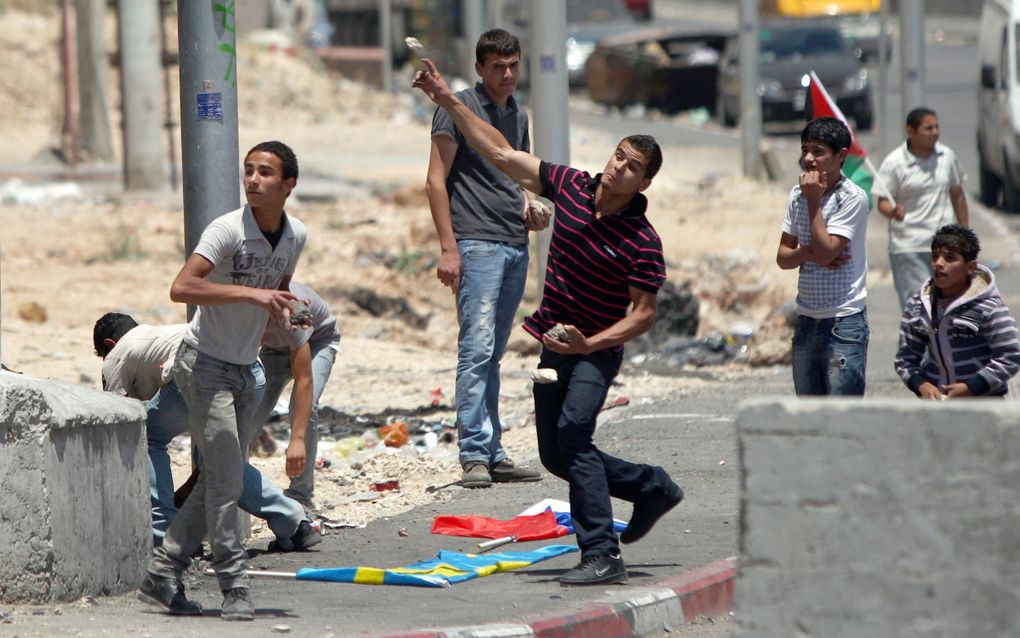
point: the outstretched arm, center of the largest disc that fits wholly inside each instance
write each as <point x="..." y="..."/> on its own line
<point x="522" y="167"/>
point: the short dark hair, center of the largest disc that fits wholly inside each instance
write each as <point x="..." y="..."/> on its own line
<point x="915" y="116"/>
<point x="112" y="325"/>
<point x="829" y="131"/>
<point x="647" y="146"/>
<point x="287" y="158"/>
<point x="958" y="239"/>
<point x="496" y="41"/>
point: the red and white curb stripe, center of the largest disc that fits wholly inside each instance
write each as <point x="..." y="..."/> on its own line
<point x="703" y="592"/>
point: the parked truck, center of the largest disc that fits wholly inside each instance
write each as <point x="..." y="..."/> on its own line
<point x="998" y="130"/>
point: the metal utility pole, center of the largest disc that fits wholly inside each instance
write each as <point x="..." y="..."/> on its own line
<point x="912" y="76"/>
<point x="386" y="43"/>
<point x="93" y="80"/>
<point x="473" y="23"/>
<point x="549" y="95"/>
<point x="211" y="174"/>
<point x="750" y="101"/>
<point x="140" y="65"/>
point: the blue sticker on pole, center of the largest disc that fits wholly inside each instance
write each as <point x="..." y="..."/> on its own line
<point x="547" y="62"/>
<point x="210" y="106"/>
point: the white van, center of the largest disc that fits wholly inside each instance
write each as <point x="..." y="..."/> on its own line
<point x="998" y="133"/>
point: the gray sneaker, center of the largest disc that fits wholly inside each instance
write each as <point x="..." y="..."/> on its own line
<point x="167" y="593"/>
<point x="237" y="605"/>
<point x="506" y="472"/>
<point x="476" y="474"/>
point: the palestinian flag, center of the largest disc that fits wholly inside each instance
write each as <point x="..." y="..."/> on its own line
<point x="857" y="166"/>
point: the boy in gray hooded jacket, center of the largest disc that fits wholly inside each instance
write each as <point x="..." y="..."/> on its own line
<point x="957" y="337"/>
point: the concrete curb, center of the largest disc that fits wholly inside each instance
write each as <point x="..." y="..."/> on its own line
<point x="703" y="592"/>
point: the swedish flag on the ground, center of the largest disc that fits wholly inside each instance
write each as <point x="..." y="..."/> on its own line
<point x="447" y="569"/>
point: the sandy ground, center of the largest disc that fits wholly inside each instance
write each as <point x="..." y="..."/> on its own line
<point x="66" y="262"/>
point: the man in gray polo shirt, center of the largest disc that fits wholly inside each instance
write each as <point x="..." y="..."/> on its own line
<point x="238" y="276"/>
<point x="482" y="219"/>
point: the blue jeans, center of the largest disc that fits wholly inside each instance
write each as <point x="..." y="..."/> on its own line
<point x="278" y="374"/>
<point x="830" y="355"/>
<point x="166" y="418"/>
<point x="565" y="413"/>
<point x="910" y="271"/>
<point x="491" y="287"/>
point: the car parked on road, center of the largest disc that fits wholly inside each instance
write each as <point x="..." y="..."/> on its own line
<point x="789" y="51"/>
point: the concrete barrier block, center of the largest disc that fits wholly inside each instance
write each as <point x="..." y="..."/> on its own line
<point x="74" y="511"/>
<point x="879" y="518"/>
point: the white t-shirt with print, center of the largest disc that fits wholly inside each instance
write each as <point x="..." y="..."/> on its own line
<point x="241" y="256"/>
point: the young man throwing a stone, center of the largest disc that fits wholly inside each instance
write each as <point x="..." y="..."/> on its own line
<point x="605" y="259"/>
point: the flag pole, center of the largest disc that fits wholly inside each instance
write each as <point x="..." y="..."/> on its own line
<point x="261" y="574"/>
<point x="496" y="542"/>
<point x="878" y="178"/>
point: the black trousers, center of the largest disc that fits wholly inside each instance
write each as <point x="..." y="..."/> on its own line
<point x="565" y="414"/>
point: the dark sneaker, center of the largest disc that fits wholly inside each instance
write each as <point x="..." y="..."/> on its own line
<point x="596" y="570"/>
<point x="305" y="537"/>
<point x="237" y="605"/>
<point x="506" y="472"/>
<point x="649" y="510"/>
<point x="167" y="593"/>
<point x="475" y="475"/>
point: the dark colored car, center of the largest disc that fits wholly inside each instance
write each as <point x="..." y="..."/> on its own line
<point x="790" y="50"/>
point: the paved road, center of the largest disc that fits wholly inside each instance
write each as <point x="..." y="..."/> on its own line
<point x="691" y="434"/>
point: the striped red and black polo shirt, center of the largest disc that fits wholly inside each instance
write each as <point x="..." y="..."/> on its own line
<point x="593" y="261"/>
